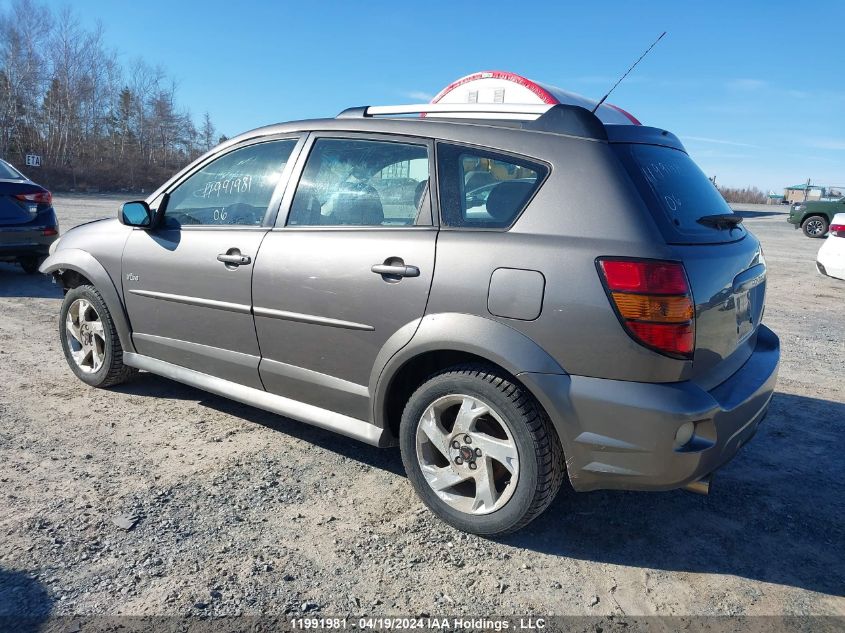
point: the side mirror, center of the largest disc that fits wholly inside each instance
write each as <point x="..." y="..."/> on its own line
<point x="136" y="214"/>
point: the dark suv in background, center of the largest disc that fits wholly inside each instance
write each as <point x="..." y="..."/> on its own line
<point x="502" y="341"/>
<point x="28" y="223"/>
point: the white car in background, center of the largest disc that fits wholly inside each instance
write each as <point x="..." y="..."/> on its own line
<point x="831" y="258"/>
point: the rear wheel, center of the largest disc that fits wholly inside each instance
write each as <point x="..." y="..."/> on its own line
<point x="815" y="226"/>
<point x="89" y="339"/>
<point x="479" y="451"/>
<point x="30" y="264"/>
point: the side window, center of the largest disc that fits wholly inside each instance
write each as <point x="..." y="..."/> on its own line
<point x="480" y="189"/>
<point x="235" y="189"/>
<point x="351" y="182"/>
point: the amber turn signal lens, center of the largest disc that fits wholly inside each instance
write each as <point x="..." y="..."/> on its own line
<point x="660" y="309"/>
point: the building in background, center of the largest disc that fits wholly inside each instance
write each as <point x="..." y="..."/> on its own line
<point x="803" y="192"/>
<point x="774" y="198"/>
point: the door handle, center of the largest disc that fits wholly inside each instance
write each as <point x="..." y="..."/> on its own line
<point x="396" y="270"/>
<point x="234" y="258"/>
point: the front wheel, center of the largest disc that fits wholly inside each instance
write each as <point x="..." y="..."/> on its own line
<point x="89" y="339"/>
<point x="815" y="226"/>
<point x="480" y="451"/>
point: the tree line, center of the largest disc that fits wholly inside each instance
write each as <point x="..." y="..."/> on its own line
<point x="95" y="123"/>
<point x="744" y="194"/>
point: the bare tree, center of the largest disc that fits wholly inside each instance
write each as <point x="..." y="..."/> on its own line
<point x="64" y="95"/>
<point x="207" y="133"/>
<point x="743" y="194"/>
<point x="24" y="32"/>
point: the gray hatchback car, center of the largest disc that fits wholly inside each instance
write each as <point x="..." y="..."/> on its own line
<point x="596" y="315"/>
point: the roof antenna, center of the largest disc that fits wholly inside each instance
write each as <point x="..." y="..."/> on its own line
<point x="619" y="81"/>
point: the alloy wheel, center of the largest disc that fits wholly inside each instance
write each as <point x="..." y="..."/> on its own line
<point x="85" y="336"/>
<point x="467" y="454"/>
<point x="815" y="227"/>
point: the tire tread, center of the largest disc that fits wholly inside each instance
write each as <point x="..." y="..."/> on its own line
<point x="118" y="373"/>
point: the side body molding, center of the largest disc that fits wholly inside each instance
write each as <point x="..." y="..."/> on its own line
<point x="85" y="264"/>
<point x="483" y="337"/>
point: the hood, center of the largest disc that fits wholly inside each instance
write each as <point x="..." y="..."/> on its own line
<point x="96" y="236"/>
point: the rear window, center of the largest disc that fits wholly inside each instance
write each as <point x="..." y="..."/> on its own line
<point x="485" y="190"/>
<point x="7" y="172"/>
<point x="677" y="192"/>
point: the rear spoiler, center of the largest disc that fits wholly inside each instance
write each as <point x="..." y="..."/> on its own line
<point x="643" y="134"/>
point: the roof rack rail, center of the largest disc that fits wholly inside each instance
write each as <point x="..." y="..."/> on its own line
<point x="475" y="110"/>
<point x="558" y="119"/>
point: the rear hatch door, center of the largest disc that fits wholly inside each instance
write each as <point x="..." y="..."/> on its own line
<point x="723" y="261"/>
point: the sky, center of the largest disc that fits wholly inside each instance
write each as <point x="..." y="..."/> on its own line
<point x="755" y="89"/>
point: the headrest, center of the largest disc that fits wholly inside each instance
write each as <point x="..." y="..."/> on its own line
<point x="479" y="178"/>
<point x="359" y="205"/>
<point x="507" y="198"/>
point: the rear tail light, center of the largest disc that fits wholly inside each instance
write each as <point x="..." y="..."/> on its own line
<point x="838" y="230"/>
<point x="653" y="302"/>
<point x="50" y="231"/>
<point x="41" y="197"/>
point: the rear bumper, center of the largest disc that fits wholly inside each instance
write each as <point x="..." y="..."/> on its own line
<point x="622" y="435"/>
<point x="19" y="242"/>
<point x="830" y="260"/>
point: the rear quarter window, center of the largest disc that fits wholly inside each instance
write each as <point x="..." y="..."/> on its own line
<point x="7" y="172"/>
<point x="484" y="189"/>
<point x="677" y="193"/>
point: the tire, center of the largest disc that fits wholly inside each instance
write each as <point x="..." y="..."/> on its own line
<point x="481" y="404"/>
<point x="93" y="352"/>
<point x="30" y="264"/>
<point x="815" y="226"/>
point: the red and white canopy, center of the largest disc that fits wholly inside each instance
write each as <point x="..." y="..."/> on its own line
<point x="496" y="86"/>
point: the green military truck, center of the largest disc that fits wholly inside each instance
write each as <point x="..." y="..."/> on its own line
<point x="814" y="216"/>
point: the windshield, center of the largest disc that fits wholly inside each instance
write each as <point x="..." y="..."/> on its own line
<point x="678" y="193"/>
<point x="7" y="172"/>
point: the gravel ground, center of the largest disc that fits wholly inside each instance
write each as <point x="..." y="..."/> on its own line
<point x="237" y="511"/>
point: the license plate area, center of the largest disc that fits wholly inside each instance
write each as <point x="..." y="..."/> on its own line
<point x="744" y="316"/>
<point x="749" y="299"/>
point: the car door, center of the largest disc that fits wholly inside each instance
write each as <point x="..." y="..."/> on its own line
<point x="187" y="283"/>
<point x="346" y="270"/>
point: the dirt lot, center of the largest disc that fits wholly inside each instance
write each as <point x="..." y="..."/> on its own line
<point x="240" y="511"/>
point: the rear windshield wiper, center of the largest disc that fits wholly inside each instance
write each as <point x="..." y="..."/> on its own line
<point x="721" y="220"/>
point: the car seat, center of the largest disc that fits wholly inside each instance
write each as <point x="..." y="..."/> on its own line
<point x="358" y="205"/>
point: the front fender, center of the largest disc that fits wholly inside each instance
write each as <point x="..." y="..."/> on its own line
<point x="489" y="339"/>
<point x="85" y="264"/>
